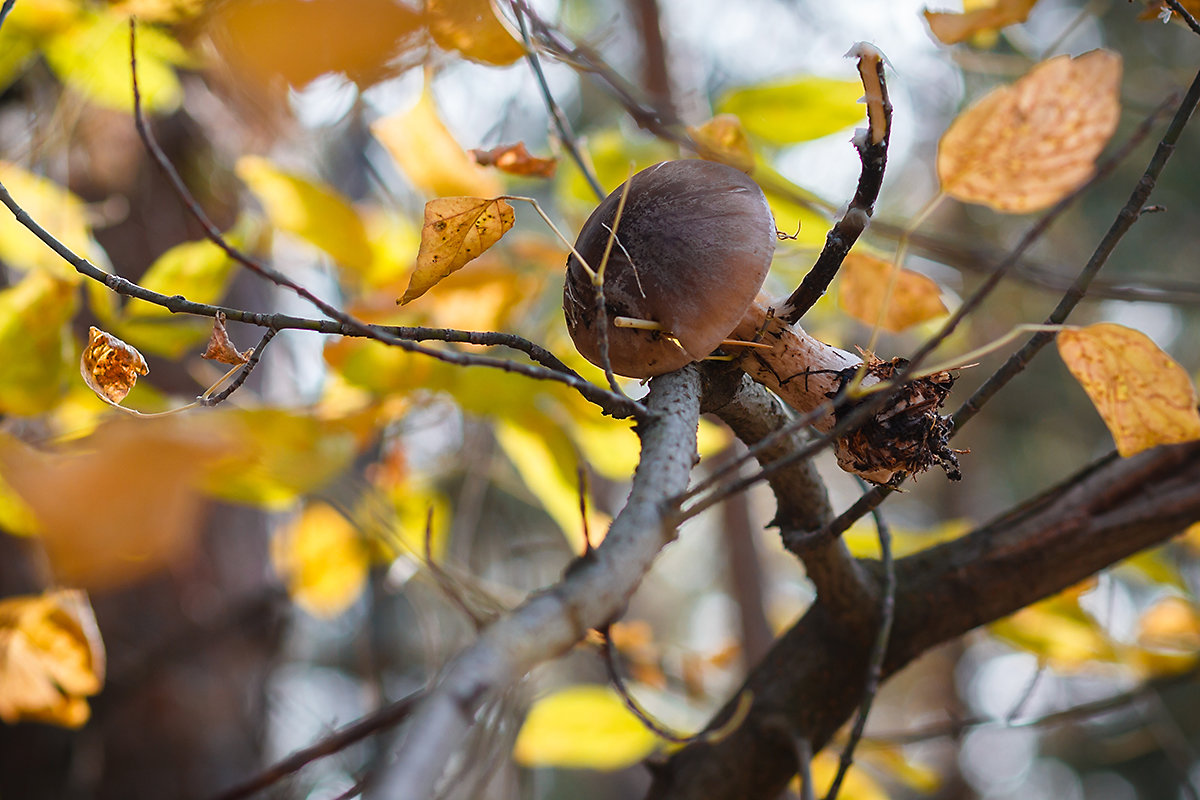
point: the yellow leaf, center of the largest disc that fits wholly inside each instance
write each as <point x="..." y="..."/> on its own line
<point x="611" y="152"/>
<point x="1170" y="624"/>
<point x="473" y="28"/>
<point x="796" y="110"/>
<point x="51" y="658"/>
<point x="36" y="342"/>
<point x="863" y="285"/>
<point x="110" y="367"/>
<point x="858" y="785"/>
<point x="515" y="159"/>
<point x="314" y="212"/>
<point x="952" y="28"/>
<point x="456" y="231"/>
<point x="1057" y="631"/>
<point x="1026" y="146"/>
<point x="272" y="42"/>
<point x="582" y="727"/>
<point x="723" y="139"/>
<point x="429" y="155"/>
<point x="133" y="504"/>
<point x="322" y="559"/>
<point x="92" y="57"/>
<point x="1143" y="396"/>
<point x="57" y="210"/>
<point x="16" y="517"/>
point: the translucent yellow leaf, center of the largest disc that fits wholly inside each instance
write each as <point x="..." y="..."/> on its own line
<point x="282" y="456"/>
<point x="312" y="211"/>
<point x="1026" y="146"/>
<point x="273" y="43"/>
<point x="394" y="240"/>
<point x="723" y="139"/>
<point x="582" y="727"/>
<point x="796" y="110"/>
<point x="611" y="152"/>
<point x="57" y="210"/>
<point x="134" y="506"/>
<point x="858" y="785"/>
<point x="51" y="658"/>
<point x="456" y="231"/>
<point x="110" y="367"/>
<point x="863" y="538"/>
<point x="863" y="282"/>
<point x="952" y="28"/>
<point x="36" y="341"/>
<point x="92" y="57"/>
<point x="1057" y="631"/>
<point x="1143" y="396"/>
<point x="473" y="28"/>
<point x="16" y="517"/>
<point x="322" y="559"/>
<point x="429" y="155"/>
<point x="1170" y="624"/>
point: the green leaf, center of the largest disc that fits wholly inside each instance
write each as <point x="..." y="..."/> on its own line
<point x="314" y="212"/>
<point x="797" y="110"/>
<point x="38" y="351"/>
<point x="582" y="727"/>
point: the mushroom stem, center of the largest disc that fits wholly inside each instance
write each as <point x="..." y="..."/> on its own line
<point x="907" y="435"/>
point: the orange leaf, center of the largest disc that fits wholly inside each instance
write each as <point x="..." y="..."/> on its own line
<point x="51" y="658"/>
<point x="515" y="160"/>
<point x="1026" y="146"/>
<point x="220" y="348"/>
<point x="110" y="367"/>
<point x="456" y="230"/>
<point x="473" y="29"/>
<point x="952" y="28"/>
<point x="864" y="280"/>
<point x="1144" y="397"/>
<point x="723" y="139"/>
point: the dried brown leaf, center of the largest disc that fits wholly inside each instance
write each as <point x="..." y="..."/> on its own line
<point x="1024" y="147"/>
<point x="515" y="160"/>
<point x="220" y="348"/>
<point x="456" y="230"/>
<point x="951" y="28"/>
<point x="110" y="367"/>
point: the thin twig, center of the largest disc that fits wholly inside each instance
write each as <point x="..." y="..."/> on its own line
<point x="4" y="9"/>
<point x="618" y="682"/>
<point x="247" y="368"/>
<point x="1185" y="15"/>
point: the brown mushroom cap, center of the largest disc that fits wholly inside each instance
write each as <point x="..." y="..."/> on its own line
<point x="693" y="248"/>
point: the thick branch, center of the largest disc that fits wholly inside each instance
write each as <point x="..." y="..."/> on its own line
<point x="811" y="681"/>
<point x="592" y="592"/>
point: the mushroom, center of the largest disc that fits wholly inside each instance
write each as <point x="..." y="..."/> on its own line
<point x="691" y="251"/>
<point x="682" y="277"/>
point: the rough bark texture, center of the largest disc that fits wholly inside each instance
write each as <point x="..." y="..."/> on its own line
<point x="810" y="682"/>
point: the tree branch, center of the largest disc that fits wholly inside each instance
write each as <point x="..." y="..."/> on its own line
<point x="591" y="593"/>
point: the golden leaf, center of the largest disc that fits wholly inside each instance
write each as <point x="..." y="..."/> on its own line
<point x="429" y="155"/>
<point x="473" y="28"/>
<point x="1026" y="146"/>
<point x="456" y="230"/>
<point x="584" y="726"/>
<point x="858" y="784"/>
<point x="110" y="367"/>
<point x="323" y="560"/>
<point x="864" y="281"/>
<point x="56" y="209"/>
<point x="723" y="139"/>
<point x="515" y="160"/>
<point x="220" y="348"/>
<point x="51" y="658"/>
<point x="35" y="337"/>
<point x="1170" y="624"/>
<point x="1143" y="396"/>
<point x="1057" y="631"/>
<point x="134" y="502"/>
<point x="952" y="28"/>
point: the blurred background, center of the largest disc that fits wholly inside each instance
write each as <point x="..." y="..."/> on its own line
<point x="285" y="589"/>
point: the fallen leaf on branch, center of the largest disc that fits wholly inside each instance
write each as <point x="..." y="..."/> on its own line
<point x="51" y="658"/>
<point x="473" y="28"/>
<point x="110" y="367"/>
<point x="1143" y="396"/>
<point x="723" y="139"/>
<point x="582" y="727"/>
<point x="456" y="230"/>
<point x="515" y="160"/>
<point x="1026" y="146"/>
<point x="220" y="348"/>
<point x="951" y="28"/>
<point x="864" y="281"/>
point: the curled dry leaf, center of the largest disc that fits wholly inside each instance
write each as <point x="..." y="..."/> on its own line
<point x="864" y="281"/>
<point x="515" y="160"/>
<point x="51" y="658"/>
<point x="456" y="230"/>
<point x="220" y="348"/>
<point x="1143" y="396"/>
<point x="1024" y="147"/>
<point x="723" y="139"/>
<point x="110" y="367"/>
<point x="951" y="28"/>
